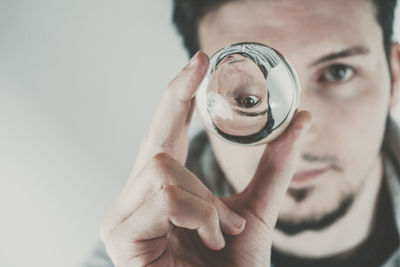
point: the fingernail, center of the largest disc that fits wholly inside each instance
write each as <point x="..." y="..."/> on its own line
<point x="303" y="132"/>
<point x="306" y="127"/>
<point x="306" y="124"/>
<point x="193" y="60"/>
<point x="238" y="221"/>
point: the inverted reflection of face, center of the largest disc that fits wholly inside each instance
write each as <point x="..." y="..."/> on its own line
<point x="238" y="96"/>
<point x="249" y="95"/>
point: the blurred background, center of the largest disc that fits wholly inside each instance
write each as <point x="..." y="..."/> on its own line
<point x="79" y="81"/>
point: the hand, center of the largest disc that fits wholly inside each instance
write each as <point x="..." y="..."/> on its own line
<point x="165" y="216"/>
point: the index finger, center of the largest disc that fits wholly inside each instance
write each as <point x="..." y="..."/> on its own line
<point x="168" y="131"/>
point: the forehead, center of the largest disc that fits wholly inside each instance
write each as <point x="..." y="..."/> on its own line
<point x="290" y="24"/>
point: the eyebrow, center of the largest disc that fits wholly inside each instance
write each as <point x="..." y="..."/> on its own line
<point x="235" y="61"/>
<point x="230" y="62"/>
<point x="352" y="51"/>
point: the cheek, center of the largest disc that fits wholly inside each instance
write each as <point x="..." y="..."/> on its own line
<point x="351" y="129"/>
<point x="359" y="123"/>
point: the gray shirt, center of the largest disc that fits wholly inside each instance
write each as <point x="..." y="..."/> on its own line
<point x="201" y="161"/>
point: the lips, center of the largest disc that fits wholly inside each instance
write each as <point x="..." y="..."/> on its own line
<point x="308" y="175"/>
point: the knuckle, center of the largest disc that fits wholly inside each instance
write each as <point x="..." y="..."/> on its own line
<point x="160" y="161"/>
<point x="170" y="196"/>
<point x="215" y="201"/>
<point x="160" y="166"/>
<point x="211" y="213"/>
<point x="212" y="199"/>
<point x="159" y="158"/>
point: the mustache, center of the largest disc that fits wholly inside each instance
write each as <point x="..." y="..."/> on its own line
<point x="330" y="160"/>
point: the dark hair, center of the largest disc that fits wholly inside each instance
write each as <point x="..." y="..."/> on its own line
<point x="188" y="13"/>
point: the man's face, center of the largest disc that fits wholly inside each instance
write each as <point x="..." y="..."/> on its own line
<point x="336" y="48"/>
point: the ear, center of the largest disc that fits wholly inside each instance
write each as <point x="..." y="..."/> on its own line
<point x="395" y="65"/>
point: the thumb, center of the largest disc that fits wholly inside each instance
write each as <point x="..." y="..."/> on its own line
<point x="275" y="171"/>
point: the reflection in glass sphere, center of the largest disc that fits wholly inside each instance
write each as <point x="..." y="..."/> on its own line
<point x="249" y="94"/>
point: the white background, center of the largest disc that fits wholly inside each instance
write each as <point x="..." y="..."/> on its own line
<point x="79" y="81"/>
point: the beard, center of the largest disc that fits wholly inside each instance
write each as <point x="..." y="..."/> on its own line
<point x="294" y="227"/>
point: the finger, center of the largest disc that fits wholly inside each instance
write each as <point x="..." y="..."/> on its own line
<point x="168" y="131"/>
<point x="163" y="171"/>
<point x="172" y="207"/>
<point x="276" y="169"/>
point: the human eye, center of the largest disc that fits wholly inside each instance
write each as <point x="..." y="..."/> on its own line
<point x="248" y="101"/>
<point x="337" y="73"/>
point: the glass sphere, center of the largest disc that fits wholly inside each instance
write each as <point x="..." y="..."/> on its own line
<point x="249" y="94"/>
